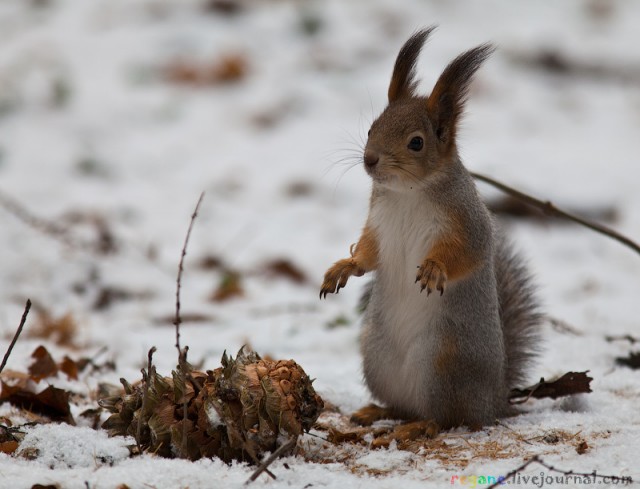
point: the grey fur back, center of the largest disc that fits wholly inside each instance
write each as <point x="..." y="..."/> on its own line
<point x="519" y="313"/>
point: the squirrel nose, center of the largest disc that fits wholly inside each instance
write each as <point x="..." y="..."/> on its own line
<point x="371" y="159"/>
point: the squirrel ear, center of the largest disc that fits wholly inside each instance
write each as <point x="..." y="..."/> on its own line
<point x="446" y="102"/>
<point x="403" y="82"/>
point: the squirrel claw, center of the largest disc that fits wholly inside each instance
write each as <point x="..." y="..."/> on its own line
<point x="431" y="276"/>
<point x="337" y="276"/>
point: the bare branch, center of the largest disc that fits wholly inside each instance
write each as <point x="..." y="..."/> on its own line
<point x="177" y="321"/>
<point x="536" y="459"/>
<point x="102" y="244"/>
<point x="27" y="307"/>
<point x="282" y="449"/>
<point x="550" y="209"/>
<point x="182" y="353"/>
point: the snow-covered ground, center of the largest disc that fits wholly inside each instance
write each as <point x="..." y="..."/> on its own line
<point x="91" y="124"/>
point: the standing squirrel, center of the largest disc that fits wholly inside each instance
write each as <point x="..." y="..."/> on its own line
<point x="452" y="354"/>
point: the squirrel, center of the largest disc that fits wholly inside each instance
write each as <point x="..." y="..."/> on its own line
<point x="452" y="354"/>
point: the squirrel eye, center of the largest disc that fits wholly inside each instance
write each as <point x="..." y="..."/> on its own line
<point x="416" y="144"/>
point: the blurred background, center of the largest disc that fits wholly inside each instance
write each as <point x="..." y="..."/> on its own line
<point x="116" y="114"/>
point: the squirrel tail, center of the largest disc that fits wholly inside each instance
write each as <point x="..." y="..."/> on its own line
<point x="519" y="313"/>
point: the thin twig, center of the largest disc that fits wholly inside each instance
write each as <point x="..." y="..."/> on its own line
<point x="57" y="231"/>
<point x="283" y="448"/>
<point x="550" y="209"/>
<point x="182" y="353"/>
<point x="515" y="471"/>
<point x="626" y="337"/>
<point x="47" y="227"/>
<point x="536" y="459"/>
<point x="178" y="319"/>
<point x="147" y="377"/>
<point x="27" y="307"/>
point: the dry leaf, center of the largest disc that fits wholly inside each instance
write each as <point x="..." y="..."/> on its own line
<point x="230" y="286"/>
<point x="43" y="365"/>
<point x="285" y="269"/>
<point x="569" y="384"/>
<point x="582" y="447"/>
<point x="226" y="7"/>
<point x="51" y="402"/>
<point x="229" y="68"/>
<point x="62" y="330"/>
<point x="70" y="368"/>
<point x="631" y="361"/>
<point x="8" y="447"/>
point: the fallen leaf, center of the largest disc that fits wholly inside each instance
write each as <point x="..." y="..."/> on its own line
<point x="43" y="365"/>
<point x="631" y="361"/>
<point x="51" y="402"/>
<point x="286" y="269"/>
<point x="226" y="7"/>
<point x="9" y="447"/>
<point x="210" y="262"/>
<point x="582" y="447"/>
<point x="569" y="384"/>
<point x="230" y="286"/>
<point x="69" y="367"/>
<point x="229" y="68"/>
<point x="62" y="330"/>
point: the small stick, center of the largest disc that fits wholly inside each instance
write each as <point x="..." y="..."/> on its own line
<point x="626" y="337"/>
<point x="550" y="209"/>
<point x="283" y="448"/>
<point x="515" y="471"/>
<point x="536" y="459"/>
<point x="182" y="354"/>
<point x="178" y="320"/>
<point x="27" y="307"/>
<point x="47" y="227"/>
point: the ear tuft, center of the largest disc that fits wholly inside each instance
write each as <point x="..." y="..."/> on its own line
<point x="403" y="82"/>
<point x="446" y="102"/>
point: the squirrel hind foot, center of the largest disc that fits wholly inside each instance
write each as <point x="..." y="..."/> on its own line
<point x="371" y="413"/>
<point x="408" y="432"/>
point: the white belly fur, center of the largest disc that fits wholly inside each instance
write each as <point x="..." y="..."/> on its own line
<point x="403" y="312"/>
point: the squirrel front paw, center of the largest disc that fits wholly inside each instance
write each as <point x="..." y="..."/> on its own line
<point x="431" y="276"/>
<point x="337" y="276"/>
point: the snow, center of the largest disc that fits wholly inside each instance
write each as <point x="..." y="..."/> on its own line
<point x="153" y="146"/>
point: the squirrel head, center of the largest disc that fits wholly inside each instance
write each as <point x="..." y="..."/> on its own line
<point x="415" y="136"/>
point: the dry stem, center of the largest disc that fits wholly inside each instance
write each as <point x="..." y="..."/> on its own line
<point x="177" y="321"/>
<point x="550" y="209"/>
<point x="27" y="307"/>
<point x="283" y="448"/>
<point x="182" y="353"/>
<point x="536" y="459"/>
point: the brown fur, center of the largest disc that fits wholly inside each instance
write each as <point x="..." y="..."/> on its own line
<point x="402" y="83"/>
<point x="447" y="358"/>
<point x="364" y="258"/>
<point x="446" y="102"/>
<point x="452" y="254"/>
<point x="371" y="413"/>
